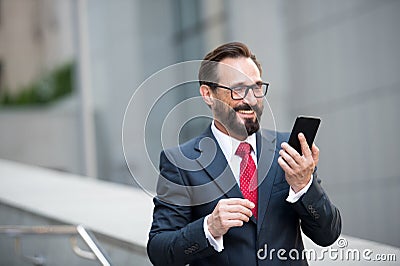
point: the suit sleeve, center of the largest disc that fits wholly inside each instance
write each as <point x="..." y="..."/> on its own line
<point x="174" y="239"/>
<point x="320" y="219"/>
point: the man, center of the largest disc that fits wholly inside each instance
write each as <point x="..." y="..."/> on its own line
<point x="236" y="193"/>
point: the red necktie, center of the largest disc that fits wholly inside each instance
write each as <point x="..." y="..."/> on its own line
<point x="248" y="175"/>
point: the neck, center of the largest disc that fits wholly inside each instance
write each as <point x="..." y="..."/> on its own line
<point x="230" y="133"/>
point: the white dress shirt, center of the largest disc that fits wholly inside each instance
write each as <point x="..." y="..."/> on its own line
<point x="229" y="146"/>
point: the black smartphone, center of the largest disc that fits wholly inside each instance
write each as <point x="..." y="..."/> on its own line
<point x="308" y="125"/>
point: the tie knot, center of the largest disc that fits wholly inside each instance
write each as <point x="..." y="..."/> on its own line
<point x="243" y="149"/>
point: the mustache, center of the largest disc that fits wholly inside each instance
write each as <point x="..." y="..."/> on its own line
<point x="246" y="107"/>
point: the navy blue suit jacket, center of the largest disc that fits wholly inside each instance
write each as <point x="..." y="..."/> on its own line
<point x="196" y="175"/>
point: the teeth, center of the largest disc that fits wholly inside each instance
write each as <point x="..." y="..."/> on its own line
<point x="246" y="111"/>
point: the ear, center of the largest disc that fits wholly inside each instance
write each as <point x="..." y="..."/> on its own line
<point x="206" y="93"/>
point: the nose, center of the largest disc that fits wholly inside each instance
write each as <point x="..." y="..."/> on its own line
<point x="250" y="99"/>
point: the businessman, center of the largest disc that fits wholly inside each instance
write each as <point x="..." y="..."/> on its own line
<point x="236" y="193"/>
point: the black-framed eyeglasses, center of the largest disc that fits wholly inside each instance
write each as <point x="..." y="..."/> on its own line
<point x="240" y="92"/>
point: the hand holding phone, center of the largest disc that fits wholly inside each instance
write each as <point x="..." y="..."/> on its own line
<point x="307" y="125"/>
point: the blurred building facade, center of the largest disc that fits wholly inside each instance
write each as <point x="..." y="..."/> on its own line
<point x="35" y="36"/>
<point x="333" y="59"/>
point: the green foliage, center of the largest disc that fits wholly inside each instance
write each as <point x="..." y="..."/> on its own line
<point x="52" y="86"/>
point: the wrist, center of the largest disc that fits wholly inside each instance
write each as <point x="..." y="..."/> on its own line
<point x="297" y="188"/>
<point x="210" y="227"/>
<point x="216" y="242"/>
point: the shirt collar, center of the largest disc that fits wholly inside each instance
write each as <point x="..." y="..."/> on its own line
<point x="229" y="145"/>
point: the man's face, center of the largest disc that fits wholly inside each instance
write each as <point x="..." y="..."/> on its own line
<point x="237" y="118"/>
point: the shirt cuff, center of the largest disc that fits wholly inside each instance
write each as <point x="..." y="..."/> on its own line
<point x="294" y="197"/>
<point x="217" y="243"/>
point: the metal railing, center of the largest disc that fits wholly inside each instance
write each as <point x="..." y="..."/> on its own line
<point x="18" y="232"/>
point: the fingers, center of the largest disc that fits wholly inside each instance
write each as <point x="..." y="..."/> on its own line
<point x="229" y="213"/>
<point x="298" y="168"/>
<point x="285" y="166"/>
<point x="304" y="145"/>
<point x="315" y="153"/>
<point x="237" y="201"/>
<point x="290" y="155"/>
<point x="238" y="206"/>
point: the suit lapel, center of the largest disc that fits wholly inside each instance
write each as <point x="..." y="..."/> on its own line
<point x="267" y="169"/>
<point x="214" y="163"/>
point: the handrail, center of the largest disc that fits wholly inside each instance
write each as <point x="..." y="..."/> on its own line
<point x="95" y="252"/>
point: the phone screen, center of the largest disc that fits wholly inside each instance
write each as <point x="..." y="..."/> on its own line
<point x="308" y="126"/>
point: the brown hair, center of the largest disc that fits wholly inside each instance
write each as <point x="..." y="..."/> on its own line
<point x="208" y="72"/>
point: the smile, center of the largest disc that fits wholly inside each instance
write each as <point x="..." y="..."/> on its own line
<point x="247" y="112"/>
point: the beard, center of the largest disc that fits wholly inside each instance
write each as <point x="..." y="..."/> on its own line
<point x="228" y="117"/>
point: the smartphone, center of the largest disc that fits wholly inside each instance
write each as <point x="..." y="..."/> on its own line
<point x="308" y="125"/>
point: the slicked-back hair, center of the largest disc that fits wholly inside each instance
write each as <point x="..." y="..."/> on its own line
<point x="208" y="72"/>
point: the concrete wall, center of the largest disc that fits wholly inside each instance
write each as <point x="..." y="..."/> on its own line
<point x="344" y="64"/>
<point x="125" y="48"/>
<point x="47" y="137"/>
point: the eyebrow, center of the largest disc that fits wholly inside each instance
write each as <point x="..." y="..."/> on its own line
<point x="243" y="83"/>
